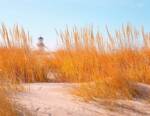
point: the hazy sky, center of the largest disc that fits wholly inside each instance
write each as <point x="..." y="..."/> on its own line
<point x="42" y="17"/>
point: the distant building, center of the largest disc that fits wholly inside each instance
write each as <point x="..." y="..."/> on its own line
<point x="40" y="45"/>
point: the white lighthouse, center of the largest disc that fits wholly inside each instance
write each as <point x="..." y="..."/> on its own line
<point x="40" y="45"/>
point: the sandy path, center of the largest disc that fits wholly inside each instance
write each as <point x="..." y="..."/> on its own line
<point x="54" y="99"/>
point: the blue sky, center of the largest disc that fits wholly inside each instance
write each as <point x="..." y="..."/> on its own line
<point x="42" y="17"/>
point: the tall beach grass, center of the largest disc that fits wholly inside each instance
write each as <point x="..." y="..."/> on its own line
<point x="18" y="61"/>
<point x="107" y="65"/>
<point x="18" y="64"/>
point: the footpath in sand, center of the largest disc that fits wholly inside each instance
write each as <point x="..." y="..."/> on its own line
<point x="54" y="99"/>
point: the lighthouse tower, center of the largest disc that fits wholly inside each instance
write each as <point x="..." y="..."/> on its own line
<point x="40" y="44"/>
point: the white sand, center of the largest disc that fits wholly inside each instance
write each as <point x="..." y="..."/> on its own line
<point x="54" y="99"/>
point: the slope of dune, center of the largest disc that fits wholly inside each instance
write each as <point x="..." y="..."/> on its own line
<point x="54" y="99"/>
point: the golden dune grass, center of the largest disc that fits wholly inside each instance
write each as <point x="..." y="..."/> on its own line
<point x="17" y="60"/>
<point x="18" y="63"/>
<point x="6" y="106"/>
<point x="105" y="65"/>
<point x="108" y="64"/>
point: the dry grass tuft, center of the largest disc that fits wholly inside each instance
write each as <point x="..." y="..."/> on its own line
<point x="6" y="106"/>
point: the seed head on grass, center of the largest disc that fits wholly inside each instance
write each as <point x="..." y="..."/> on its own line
<point x="106" y="66"/>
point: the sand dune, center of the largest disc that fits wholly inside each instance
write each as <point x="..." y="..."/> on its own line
<point x="54" y="99"/>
